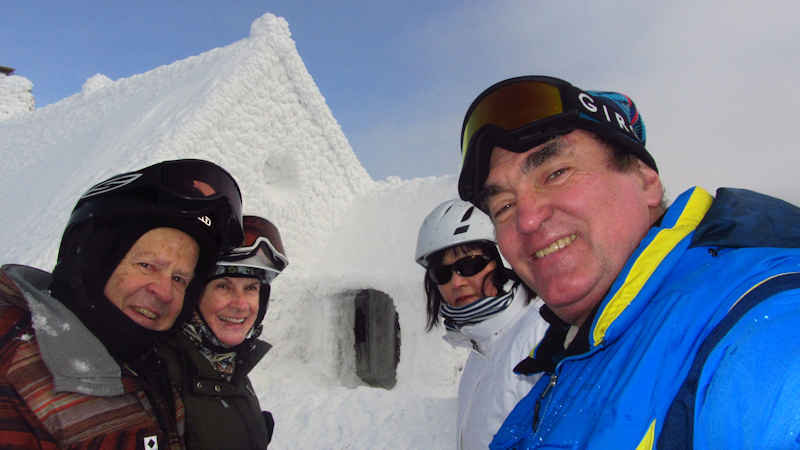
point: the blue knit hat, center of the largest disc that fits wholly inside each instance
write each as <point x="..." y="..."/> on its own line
<point x="632" y="114"/>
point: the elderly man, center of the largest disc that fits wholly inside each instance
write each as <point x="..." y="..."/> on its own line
<point x="669" y="327"/>
<point x="78" y="365"/>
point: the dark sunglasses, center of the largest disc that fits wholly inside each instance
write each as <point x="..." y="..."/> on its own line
<point x="465" y="267"/>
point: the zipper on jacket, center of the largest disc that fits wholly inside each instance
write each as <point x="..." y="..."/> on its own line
<point x="547" y="389"/>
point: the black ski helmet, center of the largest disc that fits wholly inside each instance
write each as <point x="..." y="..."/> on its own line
<point x="194" y="196"/>
<point x="193" y="189"/>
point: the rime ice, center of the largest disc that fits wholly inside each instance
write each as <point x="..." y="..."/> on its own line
<point x="16" y="96"/>
<point x="253" y="108"/>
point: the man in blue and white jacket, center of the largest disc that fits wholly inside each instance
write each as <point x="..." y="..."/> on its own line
<point x="669" y="327"/>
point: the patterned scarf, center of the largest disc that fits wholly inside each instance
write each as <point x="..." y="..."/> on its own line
<point x="480" y="310"/>
<point x="207" y="343"/>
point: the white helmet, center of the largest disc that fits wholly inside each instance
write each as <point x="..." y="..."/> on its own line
<point x="452" y="223"/>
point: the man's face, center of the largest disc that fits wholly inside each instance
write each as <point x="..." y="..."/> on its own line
<point x="149" y="283"/>
<point x="566" y="220"/>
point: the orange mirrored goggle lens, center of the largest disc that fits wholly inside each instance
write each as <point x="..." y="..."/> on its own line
<point x="512" y="106"/>
<point x="255" y="227"/>
<point x="259" y="232"/>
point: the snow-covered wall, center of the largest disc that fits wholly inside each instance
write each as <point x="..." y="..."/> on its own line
<point x="309" y="379"/>
<point x="253" y="108"/>
<point x="16" y="96"/>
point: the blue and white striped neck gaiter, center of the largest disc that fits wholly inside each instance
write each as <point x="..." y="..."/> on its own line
<point x="480" y="310"/>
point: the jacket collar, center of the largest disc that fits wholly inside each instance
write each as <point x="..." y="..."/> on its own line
<point x="550" y="350"/>
<point x="73" y="355"/>
<point x="743" y="218"/>
<point x="647" y="267"/>
<point x="735" y="218"/>
<point x="640" y="277"/>
<point x="251" y="355"/>
<point x="481" y="336"/>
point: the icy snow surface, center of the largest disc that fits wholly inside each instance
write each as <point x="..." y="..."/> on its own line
<point x="253" y="108"/>
<point x="15" y="96"/>
<point x="95" y="82"/>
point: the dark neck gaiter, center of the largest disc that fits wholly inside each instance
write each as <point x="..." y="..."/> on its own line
<point x="85" y="264"/>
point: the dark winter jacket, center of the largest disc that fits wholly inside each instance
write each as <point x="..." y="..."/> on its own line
<point x="695" y="345"/>
<point x="60" y="388"/>
<point x="220" y="414"/>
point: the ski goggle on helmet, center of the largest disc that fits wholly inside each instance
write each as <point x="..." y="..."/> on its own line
<point x="523" y="112"/>
<point x="197" y="190"/>
<point x="261" y="255"/>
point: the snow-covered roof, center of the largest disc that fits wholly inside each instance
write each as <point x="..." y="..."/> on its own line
<point x="253" y="108"/>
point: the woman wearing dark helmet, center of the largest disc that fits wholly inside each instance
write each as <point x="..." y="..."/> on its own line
<point x="210" y="358"/>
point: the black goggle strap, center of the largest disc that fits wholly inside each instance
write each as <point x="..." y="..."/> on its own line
<point x="263" y="275"/>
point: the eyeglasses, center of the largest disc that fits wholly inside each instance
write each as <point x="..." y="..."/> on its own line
<point x="465" y="267"/>
<point x="526" y="111"/>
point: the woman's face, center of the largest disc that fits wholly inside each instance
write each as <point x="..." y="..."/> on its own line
<point x="229" y="306"/>
<point x="462" y="291"/>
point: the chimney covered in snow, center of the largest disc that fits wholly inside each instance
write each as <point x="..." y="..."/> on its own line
<point x="16" y="94"/>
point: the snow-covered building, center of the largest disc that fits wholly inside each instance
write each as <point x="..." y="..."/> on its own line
<point x="253" y="108"/>
<point x="16" y="94"/>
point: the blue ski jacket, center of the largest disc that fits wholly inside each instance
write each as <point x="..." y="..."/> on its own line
<point x="697" y="343"/>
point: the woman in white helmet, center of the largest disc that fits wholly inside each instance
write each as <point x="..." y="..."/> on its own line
<point x="484" y="307"/>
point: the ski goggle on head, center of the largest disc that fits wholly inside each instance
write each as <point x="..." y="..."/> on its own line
<point x="465" y="267"/>
<point x="523" y="112"/>
<point x="193" y="188"/>
<point x="260" y="256"/>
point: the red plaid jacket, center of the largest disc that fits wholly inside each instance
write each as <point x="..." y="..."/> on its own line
<point x="33" y="415"/>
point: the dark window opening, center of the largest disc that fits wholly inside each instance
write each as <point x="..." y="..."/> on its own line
<point x="377" y="338"/>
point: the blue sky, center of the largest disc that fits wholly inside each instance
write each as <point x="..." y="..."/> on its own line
<point x="711" y="79"/>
